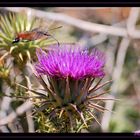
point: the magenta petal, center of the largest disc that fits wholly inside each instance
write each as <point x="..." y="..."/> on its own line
<point x="70" y="61"/>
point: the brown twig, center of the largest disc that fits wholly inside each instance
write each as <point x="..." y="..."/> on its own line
<point x="84" y="25"/>
<point x="19" y="111"/>
<point x="115" y="77"/>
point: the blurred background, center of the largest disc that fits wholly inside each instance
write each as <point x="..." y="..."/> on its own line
<point x="114" y="31"/>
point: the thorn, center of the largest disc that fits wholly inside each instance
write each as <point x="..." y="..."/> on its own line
<point x="12" y="48"/>
<point x="104" y="84"/>
<point x="104" y="99"/>
<point x="61" y="112"/>
<point x="80" y="113"/>
<point x="93" y="117"/>
<point x="2" y="57"/>
<point x="99" y="94"/>
<point x="21" y="57"/>
<point x="100" y="107"/>
<point x="90" y="91"/>
<point x="28" y="54"/>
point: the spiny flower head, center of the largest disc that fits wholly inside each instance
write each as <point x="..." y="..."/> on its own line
<point x="11" y="26"/>
<point x="67" y="73"/>
<point x="69" y="60"/>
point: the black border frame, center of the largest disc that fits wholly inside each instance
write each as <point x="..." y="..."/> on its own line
<point x="69" y="3"/>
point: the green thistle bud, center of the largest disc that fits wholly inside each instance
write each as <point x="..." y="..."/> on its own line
<point x="13" y="24"/>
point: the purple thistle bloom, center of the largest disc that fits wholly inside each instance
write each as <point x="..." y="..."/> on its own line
<point x="70" y="61"/>
<point x="71" y="71"/>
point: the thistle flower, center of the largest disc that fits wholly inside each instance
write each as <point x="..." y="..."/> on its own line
<point x="70" y="72"/>
<point x="69" y="62"/>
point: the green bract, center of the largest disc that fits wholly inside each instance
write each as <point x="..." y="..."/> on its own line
<point x="10" y="26"/>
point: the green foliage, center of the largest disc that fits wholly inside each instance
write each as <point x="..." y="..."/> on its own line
<point x="56" y="124"/>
